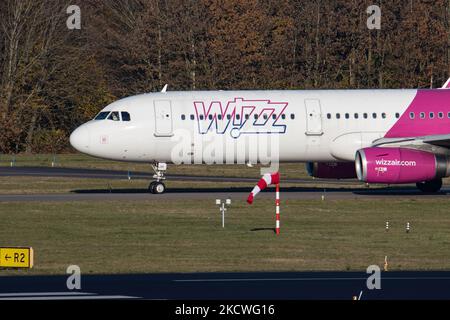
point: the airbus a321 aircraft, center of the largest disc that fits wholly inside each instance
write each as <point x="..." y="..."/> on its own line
<point x="378" y="136"/>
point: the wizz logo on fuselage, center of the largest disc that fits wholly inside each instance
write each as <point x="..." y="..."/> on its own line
<point x="240" y="116"/>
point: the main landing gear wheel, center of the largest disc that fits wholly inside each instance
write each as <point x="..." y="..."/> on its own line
<point x="157" y="187"/>
<point x="433" y="186"/>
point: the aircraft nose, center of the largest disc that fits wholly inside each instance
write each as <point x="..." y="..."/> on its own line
<point x="80" y="139"/>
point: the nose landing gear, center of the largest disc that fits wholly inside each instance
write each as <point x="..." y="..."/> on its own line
<point x="158" y="187"/>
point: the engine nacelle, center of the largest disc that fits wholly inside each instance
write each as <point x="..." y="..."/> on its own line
<point x="399" y="165"/>
<point x="332" y="170"/>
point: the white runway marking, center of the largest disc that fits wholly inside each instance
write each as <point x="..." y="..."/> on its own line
<point x="68" y="298"/>
<point x="25" y="294"/>
<point x="60" y="296"/>
<point x="307" y="279"/>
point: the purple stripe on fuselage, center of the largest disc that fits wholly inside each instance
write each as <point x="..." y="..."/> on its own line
<point x="429" y="102"/>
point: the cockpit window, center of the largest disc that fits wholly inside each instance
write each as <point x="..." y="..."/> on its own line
<point x="114" y="116"/>
<point x="102" y="115"/>
<point x="125" y="116"/>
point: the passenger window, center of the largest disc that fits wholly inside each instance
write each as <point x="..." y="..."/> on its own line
<point x="247" y="116"/>
<point x="102" y="115"/>
<point x="347" y="116"/>
<point x="229" y="116"/>
<point x="383" y="115"/>
<point x="274" y="116"/>
<point x="422" y="115"/>
<point x="441" y="115"/>
<point x="126" y="116"/>
<point x="397" y="115"/>
<point x="219" y="117"/>
<point x="265" y="117"/>
<point x="412" y="115"/>
<point x="293" y="116"/>
<point x="431" y="115"/>
<point x="192" y="117"/>
<point x="283" y="116"/>
<point x="329" y="116"/>
<point x="448" y="115"/>
<point x="238" y="117"/>
<point x="210" y="117"/>
<point x="114" y="116"/>
<point x="202" y="117"/>
<point x="256" y="117"/>
<point x="183" y="117"/>
<point x="338" y="115"/>
<point x="374" y="115"/>
<point x="365" y="115"/>
<point x="356" y="115"/>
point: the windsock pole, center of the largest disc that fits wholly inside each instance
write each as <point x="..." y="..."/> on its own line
<point x="277" y="204"/>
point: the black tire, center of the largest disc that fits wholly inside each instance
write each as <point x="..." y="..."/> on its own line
<point x="433" y="186"/>
<point x="151" y="187"/>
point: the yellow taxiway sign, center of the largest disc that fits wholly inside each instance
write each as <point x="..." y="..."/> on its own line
<point x="16" y="257"/>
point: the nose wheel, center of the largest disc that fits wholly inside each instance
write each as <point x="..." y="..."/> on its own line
<point x="157" y="187"/>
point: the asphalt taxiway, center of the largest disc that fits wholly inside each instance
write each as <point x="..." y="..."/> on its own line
<point x="308" y="191"/>
<point x="231" y="286"/>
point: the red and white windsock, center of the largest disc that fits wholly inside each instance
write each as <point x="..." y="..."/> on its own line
<point x="266" y="180"/>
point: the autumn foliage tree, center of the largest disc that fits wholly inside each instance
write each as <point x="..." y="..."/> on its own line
<point x="52" y="78"/>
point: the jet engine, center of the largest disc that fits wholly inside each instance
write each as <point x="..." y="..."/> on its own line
<point x="400" y="165"/>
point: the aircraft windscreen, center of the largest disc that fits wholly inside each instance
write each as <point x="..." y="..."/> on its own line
<point x="114" y="116"/>
<point x="102" y="115"/>
<point x="125" y="116"/>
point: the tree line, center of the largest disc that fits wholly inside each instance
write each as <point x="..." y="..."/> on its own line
<point x="54" y="78"/>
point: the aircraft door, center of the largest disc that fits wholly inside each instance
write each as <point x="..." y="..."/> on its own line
<point x="313" y="117"/>
<point x="163" y="118"/>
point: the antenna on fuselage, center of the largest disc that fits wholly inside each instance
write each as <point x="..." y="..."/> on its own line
<point x="164" y="90"/>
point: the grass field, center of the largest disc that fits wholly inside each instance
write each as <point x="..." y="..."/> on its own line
<point x="186" y="236"/>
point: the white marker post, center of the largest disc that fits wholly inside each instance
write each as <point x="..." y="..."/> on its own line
<point x="277" y="210"/>
<point x="54" y="161"/>
<point x="223" y="209"/>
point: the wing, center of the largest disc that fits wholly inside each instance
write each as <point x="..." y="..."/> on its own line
<point x="433" y="143"/>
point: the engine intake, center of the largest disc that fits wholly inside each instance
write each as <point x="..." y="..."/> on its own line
<point x="400" y="165"/>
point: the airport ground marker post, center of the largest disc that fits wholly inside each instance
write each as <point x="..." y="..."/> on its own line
<point x="222" y="207"/>
<point x="277" y="210"/>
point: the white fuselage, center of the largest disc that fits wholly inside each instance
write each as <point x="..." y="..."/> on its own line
<point x="309" y="126"/>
